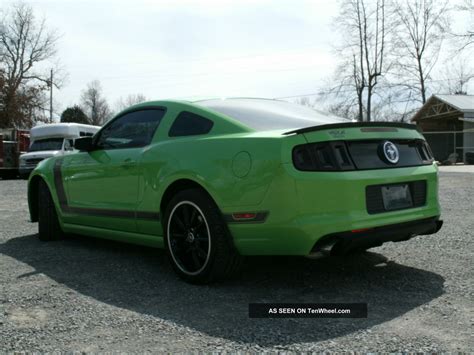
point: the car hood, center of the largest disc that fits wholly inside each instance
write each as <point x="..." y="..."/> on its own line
<point x="40" y="154"/>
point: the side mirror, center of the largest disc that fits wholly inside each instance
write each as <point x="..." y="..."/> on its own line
<point x="84" y="144"/>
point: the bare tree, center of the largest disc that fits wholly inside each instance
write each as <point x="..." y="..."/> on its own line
<point x="466" y="39"/>
<point x="457" y="75"/>
<point x="24" y="42"/>
<point x="365" y="29"/>
<point x="423" y="25"/>
<point x="94" y="104"/>
<point x="305" y="101"/>
<point x="130" y="100"/>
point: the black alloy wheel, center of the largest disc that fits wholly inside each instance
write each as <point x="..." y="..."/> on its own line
<point x="189" y="238"/>
<point x="197" y="239"/>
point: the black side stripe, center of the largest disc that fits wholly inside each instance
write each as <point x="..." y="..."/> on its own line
<point x="97" y="212"/>
<point x="147" y="215"/>
<point x="58" y="181"/>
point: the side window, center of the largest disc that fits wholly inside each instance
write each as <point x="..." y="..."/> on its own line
<point x="190" y="124"/>
<point x="68" y="144"/>
<point x="134" y="129"/>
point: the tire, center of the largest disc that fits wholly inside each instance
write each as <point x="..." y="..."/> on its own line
<point x="48" y="222"/>
<point x="197" y="240"/>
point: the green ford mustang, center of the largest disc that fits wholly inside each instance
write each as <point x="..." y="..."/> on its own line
<point x="215" y="180"/>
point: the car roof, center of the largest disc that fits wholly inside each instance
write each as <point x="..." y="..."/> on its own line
<point x="251" y="114"/>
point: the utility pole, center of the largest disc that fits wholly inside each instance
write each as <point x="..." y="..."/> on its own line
<point x="51" y="98"/>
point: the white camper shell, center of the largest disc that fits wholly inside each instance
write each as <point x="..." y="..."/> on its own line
<point x="50" y="140"/>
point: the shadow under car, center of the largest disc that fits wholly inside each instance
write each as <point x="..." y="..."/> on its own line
<point x="141" y="279"/>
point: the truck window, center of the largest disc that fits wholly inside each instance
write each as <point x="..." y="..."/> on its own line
<point x="68" y="144"/>
<point x="46" y="144"/>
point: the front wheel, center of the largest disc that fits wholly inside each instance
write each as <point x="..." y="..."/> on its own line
<point x="197" y="240"/>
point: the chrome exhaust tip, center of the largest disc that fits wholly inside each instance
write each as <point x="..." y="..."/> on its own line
<point x="322" y="251"/>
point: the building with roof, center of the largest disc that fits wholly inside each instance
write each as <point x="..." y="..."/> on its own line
<point x="447" y="121"/>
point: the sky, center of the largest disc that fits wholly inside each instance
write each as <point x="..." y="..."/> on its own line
<point x="190" y="49"/>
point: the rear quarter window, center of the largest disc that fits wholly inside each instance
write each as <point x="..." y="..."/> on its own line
<point x="190" y="124"/>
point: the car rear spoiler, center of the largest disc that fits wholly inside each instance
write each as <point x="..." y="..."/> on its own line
<point x="371" y="127"/>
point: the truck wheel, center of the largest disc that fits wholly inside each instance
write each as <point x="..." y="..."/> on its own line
<point x="8" y="174"/>
<point x="48" y="222"/>
<point x="197" y="240"/>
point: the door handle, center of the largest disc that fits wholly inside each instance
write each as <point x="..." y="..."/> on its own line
<point x="128" y="163"/>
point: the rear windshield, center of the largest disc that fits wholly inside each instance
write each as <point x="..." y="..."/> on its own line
<point x="47" y="144"/>
<point x="264" y="115"/>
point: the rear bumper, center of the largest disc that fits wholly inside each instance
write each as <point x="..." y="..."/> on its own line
<point x="305" y="208"/>
<point x="342" y="243"/>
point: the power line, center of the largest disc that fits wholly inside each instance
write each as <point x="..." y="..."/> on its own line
<point x="244" y="70"/>
<point x="296" y="96"/>
<point x="348" y="90"/>
<point x="202" y="59"/>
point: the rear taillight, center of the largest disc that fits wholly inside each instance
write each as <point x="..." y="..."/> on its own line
<point x="425" y="151"/>
<point x="326" y="156"/>
<point x="359" y="155"/>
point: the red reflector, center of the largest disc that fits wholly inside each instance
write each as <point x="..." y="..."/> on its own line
<point x="243" y="215"/>
<point x="360" y="230"/>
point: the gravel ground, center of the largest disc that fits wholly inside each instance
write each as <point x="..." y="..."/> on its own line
<point x="83" y="294"/>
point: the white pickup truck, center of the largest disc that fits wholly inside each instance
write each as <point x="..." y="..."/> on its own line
<point x="52" y="139"/>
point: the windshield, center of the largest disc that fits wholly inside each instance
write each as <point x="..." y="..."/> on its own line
<point x="46" y="144"/>
<point x="264" y="115"/>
